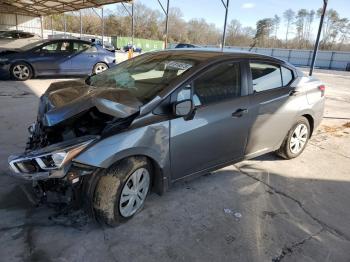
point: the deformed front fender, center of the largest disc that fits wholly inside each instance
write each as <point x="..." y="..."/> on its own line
<point x="151" y="141"/>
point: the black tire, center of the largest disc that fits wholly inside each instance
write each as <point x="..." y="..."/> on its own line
<point x="96" y="69"/>
<point x="285" y="150"/>
<point x="21" y="71"/>
<point x="107" y="195"/>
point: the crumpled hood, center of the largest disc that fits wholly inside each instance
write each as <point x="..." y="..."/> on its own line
<point x="67" y="99"/>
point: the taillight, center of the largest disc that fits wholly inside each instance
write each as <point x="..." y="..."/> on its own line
<point x="322" y="88"/>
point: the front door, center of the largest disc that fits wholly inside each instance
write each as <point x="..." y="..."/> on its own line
<point x="53" y="58"/>
<point x="217" y="131"/>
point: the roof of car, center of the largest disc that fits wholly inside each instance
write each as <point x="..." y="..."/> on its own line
<point x="66" y="39"/>
<point x="216" y="52"/>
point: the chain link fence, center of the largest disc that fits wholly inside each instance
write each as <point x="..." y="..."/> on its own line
<point x="325" y="59"/>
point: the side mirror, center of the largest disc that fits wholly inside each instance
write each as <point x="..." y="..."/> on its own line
<point x="183" y="108"/>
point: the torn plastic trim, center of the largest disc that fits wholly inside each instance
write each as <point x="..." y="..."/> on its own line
<point x="39" y="164"/>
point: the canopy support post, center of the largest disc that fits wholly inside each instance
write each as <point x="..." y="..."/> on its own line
<point x="312" y="66"/>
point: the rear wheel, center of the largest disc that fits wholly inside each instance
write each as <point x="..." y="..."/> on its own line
<point x="21" y="71"/>
<point x="121" y="191"/>
<point x="99" y="68"/>
<point x="296" y="139"/>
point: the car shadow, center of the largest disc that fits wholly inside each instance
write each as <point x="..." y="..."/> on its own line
<point x="268" y="157"/>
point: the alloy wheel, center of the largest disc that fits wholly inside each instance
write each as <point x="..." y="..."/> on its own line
<point x="21" y="71"/>
<point x="100" y="68"/>
<point x="298" y="139"/>
<point x="134" y="192"/>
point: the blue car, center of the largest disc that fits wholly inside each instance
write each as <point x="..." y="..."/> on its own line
<point x="55" y="57"/>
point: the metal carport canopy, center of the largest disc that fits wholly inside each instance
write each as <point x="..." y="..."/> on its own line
<point x="44" y="8"/>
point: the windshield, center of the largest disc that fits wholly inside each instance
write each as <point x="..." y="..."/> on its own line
<point x="146" y="75"/>
<point x="32" y="45"/>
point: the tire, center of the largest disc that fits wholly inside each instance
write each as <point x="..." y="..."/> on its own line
<point x="21" y="71"/>
<point x="115" y="193"/>
<point x="99" y="68"/>
<point x="290" y="149"/>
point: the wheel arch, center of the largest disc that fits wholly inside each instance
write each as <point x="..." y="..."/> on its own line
<point x="159" y="175"/>
<point x="311" y="121"/>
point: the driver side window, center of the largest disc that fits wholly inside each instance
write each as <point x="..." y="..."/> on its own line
<point x="50" y="48"/>
<point x="222" y="82"/>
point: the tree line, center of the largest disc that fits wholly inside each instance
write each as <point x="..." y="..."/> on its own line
<point x="149" y="23"/>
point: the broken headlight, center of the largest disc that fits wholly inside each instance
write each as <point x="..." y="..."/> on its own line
<point x="47" y="161"/>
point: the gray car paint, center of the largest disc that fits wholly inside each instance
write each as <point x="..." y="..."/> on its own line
<point x="177" y="145"/>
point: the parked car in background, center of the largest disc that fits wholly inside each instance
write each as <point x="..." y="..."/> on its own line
<point x="134" y="48"/>
<point x="55" y="57"/>
<point x="16" y="39"/>
<point x="107" y="45"/>
<point x="183" y="45"/>
<point x="162" y="117"/>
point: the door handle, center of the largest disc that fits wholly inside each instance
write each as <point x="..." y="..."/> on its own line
<point x="240" y="112"/>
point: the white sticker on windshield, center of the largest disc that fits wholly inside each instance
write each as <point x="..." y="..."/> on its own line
<point x="178" y="65"/>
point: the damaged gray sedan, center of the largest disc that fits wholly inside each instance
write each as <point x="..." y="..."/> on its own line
<point x="106" y="142"/>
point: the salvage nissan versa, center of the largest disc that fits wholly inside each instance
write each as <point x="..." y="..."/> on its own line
<point x="162" y="117"/>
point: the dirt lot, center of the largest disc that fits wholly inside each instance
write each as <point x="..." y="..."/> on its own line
<point x="265" y="209"/>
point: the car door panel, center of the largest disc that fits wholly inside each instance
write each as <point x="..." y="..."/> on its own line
<point x="272" y="115"/>
<point x="50" y="62"/>
<point x="215" y="134"/>
<point x="84" y="58"/>
<point x="273" y="112"/>
<point x="211" y="138"/>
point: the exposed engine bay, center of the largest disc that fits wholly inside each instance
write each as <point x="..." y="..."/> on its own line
<point x="69" y="112"/>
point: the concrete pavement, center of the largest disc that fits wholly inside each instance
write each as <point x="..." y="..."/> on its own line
<point x="266" y="209"/>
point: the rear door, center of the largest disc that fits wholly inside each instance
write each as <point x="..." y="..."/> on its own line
<point x="217" y="131"/>
<point x="83" y="58"/>
<point x="272" y="105"/>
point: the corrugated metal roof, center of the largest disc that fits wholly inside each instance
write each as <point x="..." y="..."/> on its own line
<point x="42" y="7"/>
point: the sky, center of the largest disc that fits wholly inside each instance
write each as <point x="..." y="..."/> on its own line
<point x="247" y="11"/>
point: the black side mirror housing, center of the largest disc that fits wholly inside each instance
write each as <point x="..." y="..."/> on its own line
<point x="183" y="108"/>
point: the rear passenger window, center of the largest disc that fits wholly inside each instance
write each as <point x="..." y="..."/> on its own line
<point x="287" y="76"/>
<point x="220" y="83"/>
<point x="265" y="76"/>
<point x="80" y="47"/>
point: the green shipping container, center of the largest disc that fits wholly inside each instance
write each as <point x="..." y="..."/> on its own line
<point x="145" y="44"/>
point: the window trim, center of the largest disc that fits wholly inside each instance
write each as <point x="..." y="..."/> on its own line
<point x="293" y="76"/>
<point x="268" y="62"/>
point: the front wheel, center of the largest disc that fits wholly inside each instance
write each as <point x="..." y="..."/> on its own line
<point x="296" y="139"/>
<point x="21" y="71"/>
<point x="121" y="191"/>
